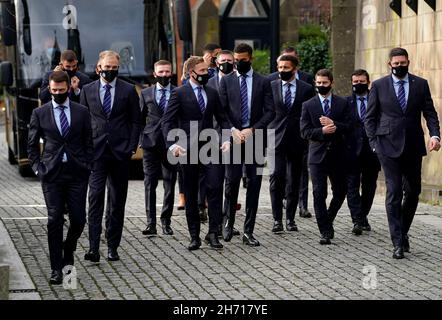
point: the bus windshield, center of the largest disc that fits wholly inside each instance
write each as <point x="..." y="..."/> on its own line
<point x="48" y="27"/>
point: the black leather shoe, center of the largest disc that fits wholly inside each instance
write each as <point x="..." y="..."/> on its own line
<point x="277" y="227"/>
<point x="325" y="239"/>
<point x="304" y="213"/>
<point x="112" y="255"/>
<point x="68" y="258"/>
<point x="291" y="226"/>
<point x="250" y="240"/>
<point x="56" y="277"/>
<point x="167" y="230"/>
<point x="227" y="233"/>
<point x="195" y="244"/>
<point x="357" y="229"/>
<point x="406" y="244"/>
<point x="151" y="230"/>
<point x="398" y="253"/>
<point x="366" y="227"/>
<point x="92" y="256"/>
<point x="212" y="240"/>
<point x="203" y="214"/>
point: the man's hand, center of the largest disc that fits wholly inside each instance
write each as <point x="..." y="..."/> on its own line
<point x="326" y="121"/>
<point x="208" y="59"/>
<point x="225" y="147"/>
<point x="58" y="68"/>
<point x="246" y="134"/>
<point x="237" y="137"/>
<point x="434" y="144"/>
<point x="329" y="129"/>
<point x="178" y="151"/>
<point x="75" y="82"/>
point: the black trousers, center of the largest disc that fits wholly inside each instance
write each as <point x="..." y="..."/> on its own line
<point x="214" y="174"/>
<point x="180" y="179"/>
<point x="285" y="179"/>
<point x="331" y="167"/>
<point x="403" y="181"/>
<point x="67" y="189"/>
<point x="116" y="173"/>
<point x="361" y="182"/>
<point x="155" y="165"/>
<point x="303" y="187"/>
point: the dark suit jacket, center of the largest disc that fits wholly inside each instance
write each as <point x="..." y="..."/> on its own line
<point x="183" y="108"/>
<point x="121" y="131"/>
<point x="287" y="124"/>
<point x="77" y="145"/>
<point x="311" y="128"/>
<point x="152" y="135"/>
<point x="45" y="95"/>
<point x="391" y="131"/>
<point x="214" y="83"/>
<point x="262" y="110"/>
<point x="357" y="140"/>
<point x="303" y="76"/>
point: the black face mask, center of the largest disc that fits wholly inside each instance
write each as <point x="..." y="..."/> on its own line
<point x="109" y="75"/>
<point x="202" y="78"/>
<point x="322" y="90"/>
<point x="243" y="66"/>
<point x="400" y="71"/>
<point x="60" y="98"/>
<point x="286" y="75"/>
<point x="163" y="81"/>
<point x="71" y="73"/>
<point x="360" y="88"/>
<point x="226" y="67"/>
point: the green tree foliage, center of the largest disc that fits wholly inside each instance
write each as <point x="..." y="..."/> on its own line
<point x="261" y="61"/>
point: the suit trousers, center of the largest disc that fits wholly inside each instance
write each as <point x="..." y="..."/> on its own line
<point x="116" y="173"/>
<point x="332" y="167"/>
<point x="403" y="181"/>
<point x="67" y="189"/>
<point x="155" y="165"/>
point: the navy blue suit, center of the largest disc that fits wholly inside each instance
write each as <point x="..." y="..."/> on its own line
<point x="45" y="95"/>
<point x="64" y="184"/>
<point x="364" y="167"/>
<point x="155" y="162"/>
<point x="327" y="157"/>
<point x="398" y="139"/>
<point x="289" y="149"/>
<point x="115" y="140"/>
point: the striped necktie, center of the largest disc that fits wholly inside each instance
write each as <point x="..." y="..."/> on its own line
<point x="327" y="110"/>
<point x="363" y="109"/>
<point x="288" y="96"/>
<point x="107" y="100"/>
<point x="401" y="96"/>
<point x="163" y="100"/>
<point x="64" y="124"/>
<point x="201" y="102"/>
<point x="244" y="101"/>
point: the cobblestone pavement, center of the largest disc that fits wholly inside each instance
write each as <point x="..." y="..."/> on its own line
<point x="286" y="266"/>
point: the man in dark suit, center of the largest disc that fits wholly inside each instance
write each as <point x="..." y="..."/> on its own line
<point x="288" y="96"/>
<point x="116" y="122"/>
<point x="364" y="165"/>
<point x="69" y="64"/>
<point x="153" y="103"/>
<point x="247" y="97"/>
<point x="191" y="109"/>
<point x="303" y="188"/>
<point x="394" y="129"/>
<point x="325" y="122"/>
<point x="63" y="168"/>
<point x="210" y="52"/>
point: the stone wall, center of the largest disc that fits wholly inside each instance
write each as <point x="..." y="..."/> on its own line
<point x="378" y="29"/>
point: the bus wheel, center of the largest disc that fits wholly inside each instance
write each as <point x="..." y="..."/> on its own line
<point x="26" y="171"/>
<point x="11" y="157"/>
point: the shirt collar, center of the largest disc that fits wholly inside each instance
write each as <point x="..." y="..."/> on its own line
<point x="249" y="74"/>
<point x="329" y="98"/>
<point x="396" y="79"/>
<point x="195" y="86"/>
<point x="111" y="83"/>
<point x="159" y="87"/>
<point x="365" y="96"/>
<point x="67" y="104"/>
<point x="293" y="82"/>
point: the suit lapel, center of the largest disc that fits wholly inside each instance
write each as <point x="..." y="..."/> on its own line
<point x="117" y="94"/>
<point x="254" y="92"/>
<point x="411" y="89"/>
<point x="192" y="96"/>
<point x="53" y="121"/>
<point x="276" y="88"/>
<point x="97" y="96"/>
<point x="393" y="93"/>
